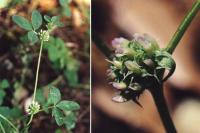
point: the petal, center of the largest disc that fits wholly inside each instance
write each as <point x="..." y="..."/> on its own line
<point x="119" y="99"/>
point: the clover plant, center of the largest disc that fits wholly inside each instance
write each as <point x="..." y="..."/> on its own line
<point x="63" y="111"/>
<point x="140" y="64"/>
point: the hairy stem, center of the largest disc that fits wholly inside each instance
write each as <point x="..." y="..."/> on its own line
<point x="101" y="45"/>
<point x="158" y="96"/>
<point x="10" y="123"/>
<point x="183" y="27"/>
<point x="37" y="71"/>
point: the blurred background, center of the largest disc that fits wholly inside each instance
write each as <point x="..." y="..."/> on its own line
<point x="159" y="18"/>
<point x="66" y="68"/>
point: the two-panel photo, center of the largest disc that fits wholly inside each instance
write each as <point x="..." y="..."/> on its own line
<point x="99" y="66"/>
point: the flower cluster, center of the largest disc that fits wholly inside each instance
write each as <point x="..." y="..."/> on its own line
<point x="33" y="108"/>
<point x="44" y="35"/>
<point x="136" y="64"/>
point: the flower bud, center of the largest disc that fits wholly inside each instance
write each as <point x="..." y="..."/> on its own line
<point x="148" y="43"/>
<point x="117" y="64"/>
<point x="119" y="85"/>
<point x="119" y="42"/>
<point x="119" y="99"/>
<point x="135" y="87"/>
<point x="111" y="74"/>
<point x="149" y="63"/>
<point x="133" y="66"/>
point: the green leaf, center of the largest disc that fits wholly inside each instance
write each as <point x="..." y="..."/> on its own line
<point x="55" y="19"/>
<point x="71" y="72"/>
<point x="68" y="105"/>
<point x="2" y="128"/>
<point x="11" y="113"/>
<point x="64" y="2"/>
<point x="165" y="61"/>
<point x="4" y="84"/>
<point x="36" y="19"/>
<point x="59" y="116"/>
<point x="58" y="131"/>
<point x="53" y="53"/>
<point x="62" y="59"/>
<point x="70" y="120"/>
<point x="59" y="24"/>
<point x="5" y="111"/>
<point x="32" y="37"/>
<point x="40" y="96"/>
<point x="22" y="22"/>
<point x="54" y="95"/>
<point x="71" y="77"/>
<point x="67" y="11"/>
<point x="15" y="113"/>
<point x="24" y="38"/>
<point x="2" y="95"/>
<point x="47" y="18"/>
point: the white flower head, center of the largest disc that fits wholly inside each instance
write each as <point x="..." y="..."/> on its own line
<point x="33" y="108"/>
<point x="44" y="35"/>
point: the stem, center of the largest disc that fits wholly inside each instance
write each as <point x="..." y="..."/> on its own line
<point x="50" y="107"/>
<point x="10" y="123"/>
<point x="37" y="71"/>
<point x="101" y="45"/>
<point x="30" y="120"/>
<point x="183" y="27"/>
<point x="2" y="128"/>
<point x="158" y="96"/>
<point x="36" y="79"/>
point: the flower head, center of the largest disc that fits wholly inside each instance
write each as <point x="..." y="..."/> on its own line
<point x="135" y="66"/>
<point x="44" y="35"/>
<point x="33" y="108"/>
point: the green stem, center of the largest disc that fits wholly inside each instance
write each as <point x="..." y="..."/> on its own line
<point x="36" y="79"/>
<point x="37" y="71"/>
<point x="101" y="45"/>
<point x="2" y="128"/>
<point x="50" y="107"/>
<point x="158" y="96"/>
<point x="10" y="123"/>
<point x="30" y="120"/>
<point x="183" y="27"/>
